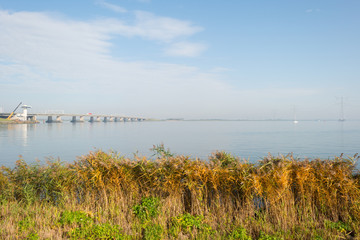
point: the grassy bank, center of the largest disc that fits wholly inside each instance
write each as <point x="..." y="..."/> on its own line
<point x="6" y="121"/>
<point x="105" y="196"/>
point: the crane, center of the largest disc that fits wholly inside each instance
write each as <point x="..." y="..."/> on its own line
<point x="12" y="113"/>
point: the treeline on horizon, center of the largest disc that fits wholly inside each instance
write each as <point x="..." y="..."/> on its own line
<point x="106" y="196"/>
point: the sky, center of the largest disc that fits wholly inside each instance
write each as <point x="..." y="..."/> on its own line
<point x="192" y="59"/>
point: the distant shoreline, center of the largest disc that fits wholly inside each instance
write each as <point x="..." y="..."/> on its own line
<point x="5" y="121"/>
<point x="255" y="120"/>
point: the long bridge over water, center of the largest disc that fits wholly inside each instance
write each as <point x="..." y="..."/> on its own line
<point x="57" y="117"/>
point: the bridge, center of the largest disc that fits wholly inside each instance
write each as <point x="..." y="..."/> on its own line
<point x="57" y="117"/>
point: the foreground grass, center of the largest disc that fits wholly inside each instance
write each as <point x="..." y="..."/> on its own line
<point x="106" y="196"/>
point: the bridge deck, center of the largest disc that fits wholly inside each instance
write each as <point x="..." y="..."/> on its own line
<point x="82" y="116"/>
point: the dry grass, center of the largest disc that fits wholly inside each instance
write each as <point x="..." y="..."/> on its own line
<point x="226" y="198"/>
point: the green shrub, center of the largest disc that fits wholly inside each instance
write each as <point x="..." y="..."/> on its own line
<point x="339" y="226"/>
<point x="153" y="232"/>
<point x="147" y="209"/>
<point x="97" y="231"/>
<point x="186" y="223"/>
<point x="264" y="236"/>
<point x="75" y="217"/>
<point x="239" y="233"/>
<point x="86" y="229"/>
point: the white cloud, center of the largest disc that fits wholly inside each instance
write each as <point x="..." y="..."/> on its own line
<point x="45" y="55"/>
<point x="220" y="69"/>
<point x="164" y="29"/>
<point x="112" y="7"/>
<point x="185" y="49"/>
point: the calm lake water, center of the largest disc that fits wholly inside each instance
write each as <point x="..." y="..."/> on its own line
<point x="251" y="140"/>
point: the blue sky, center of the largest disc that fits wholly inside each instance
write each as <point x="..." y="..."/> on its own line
<point x="243" y="59"/>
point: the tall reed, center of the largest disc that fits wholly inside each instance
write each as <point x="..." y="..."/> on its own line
<point x="219" y="198"/>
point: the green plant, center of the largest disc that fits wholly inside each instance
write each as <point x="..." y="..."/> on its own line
<point x="160" y="151"/>
<point x="32" y="236"/>
<point x="264" y="236"/>
<point x="186" y="223"/>
<point x="97" y="231"/>
<point x="153" y="232"/>
<point x="25" y="224"/>
<point x="147" y="209"/>
<point x="239" y="233"/>
<point x="75" y="217"/>
<point x="225" y="159"/>
<point x="339" y="226"/>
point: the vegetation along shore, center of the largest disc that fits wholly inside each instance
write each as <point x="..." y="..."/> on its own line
<point x="106" y="196"/>
<point x="6" y="121"/>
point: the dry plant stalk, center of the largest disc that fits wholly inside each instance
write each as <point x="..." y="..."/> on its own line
<point x="279" y="196"/>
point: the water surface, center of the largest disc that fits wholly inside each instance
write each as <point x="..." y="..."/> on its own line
<point x="251" y="140"/>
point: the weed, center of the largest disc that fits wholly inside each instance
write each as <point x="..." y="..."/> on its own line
<point x="264" y="236"/>
<point x="225" y="159"/>
<point x="33" y="236"/>
<point x="78" y="218"/>
<point x="161" y="152"/>
<point x="239" y="233"/>
<point x="25" y="224"/>
<point x="187" y="223"/>
<point x="147" y="209"/>
<point x="153" y="232"/>
<point x="339" y="226"/>
<point x="97" y="231"/>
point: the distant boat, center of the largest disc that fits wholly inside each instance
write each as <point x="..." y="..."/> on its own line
<point x="295" y="121"/>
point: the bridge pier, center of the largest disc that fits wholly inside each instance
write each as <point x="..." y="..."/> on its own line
<point x="73" y="119"/>
<point x="95" y="119"/>
<point x="32" y="118"/>
<point x="50" y="119"/>
<point x="58" y="119"/>
<point x="105" y="119"/>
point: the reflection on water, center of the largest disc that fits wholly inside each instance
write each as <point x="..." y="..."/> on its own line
<point x="341" y="133"/>
<point x="251" y="140"/>
<point x="24" y="133"/>
<point x="17" y="133"/>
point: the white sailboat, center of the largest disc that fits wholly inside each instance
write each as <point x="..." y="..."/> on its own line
<point x="295" y="120"/>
